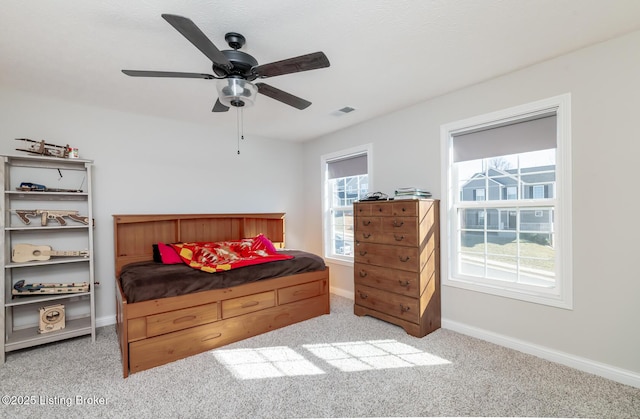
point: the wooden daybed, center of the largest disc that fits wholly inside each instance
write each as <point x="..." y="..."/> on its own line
<point x="162" y="330"/>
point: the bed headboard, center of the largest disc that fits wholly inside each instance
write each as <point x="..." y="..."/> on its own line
<point x="134" y="235"/>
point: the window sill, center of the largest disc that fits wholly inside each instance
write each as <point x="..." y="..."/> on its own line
<point x="547" y="299"/>
<point x="337" y="261"/>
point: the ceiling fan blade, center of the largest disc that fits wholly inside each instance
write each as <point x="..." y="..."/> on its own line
<point x="219" y="107"/>
<point x="142" y="73"/>
<point x="282" y="96"/>
<point x="293" y="65"/>
<point x="189" y="30"/>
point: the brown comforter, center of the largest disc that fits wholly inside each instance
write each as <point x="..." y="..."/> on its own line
<point x="144" y="281"/>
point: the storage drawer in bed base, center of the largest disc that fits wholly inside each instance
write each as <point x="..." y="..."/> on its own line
<point x="159" y="350"/>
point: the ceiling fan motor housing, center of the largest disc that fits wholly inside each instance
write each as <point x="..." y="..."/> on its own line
<point x="242" y="65"/>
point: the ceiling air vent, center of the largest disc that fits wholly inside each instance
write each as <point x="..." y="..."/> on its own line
<point x="343" y="111"/>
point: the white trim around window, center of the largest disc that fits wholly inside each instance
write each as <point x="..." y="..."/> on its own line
<point x="561" y="293"/>
<point x="365" y="149"/>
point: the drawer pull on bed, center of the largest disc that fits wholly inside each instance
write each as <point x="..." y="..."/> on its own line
<point x="184" y="319"/>
<point x="363" y="273"/>
<point x="363" y="252"/>
<point x="397" y="223"/>
<point x="366" y="222"/>
<point x="398" y="238"/>
<point x="404" y="283"/>
<point x="363" y="295"/>
<point x="404" y="258"/>
<point x="250" y="304"/>
<point x="404" y="309"/>
<point x="211" y="337"/>
<point x="366" y="235"/>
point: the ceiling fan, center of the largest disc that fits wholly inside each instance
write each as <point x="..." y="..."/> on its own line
<point x="235" y="70"/>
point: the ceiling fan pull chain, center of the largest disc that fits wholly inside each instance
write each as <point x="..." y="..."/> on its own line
<point x="242" y="123"/>
<point x="238" y="128"/>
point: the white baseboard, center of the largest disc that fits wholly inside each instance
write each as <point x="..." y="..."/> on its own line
<point x="105" y="321"/>
<point x="342" y="293"/>
<point x="603" y="370"/>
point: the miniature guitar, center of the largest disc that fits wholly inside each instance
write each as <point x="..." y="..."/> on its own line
<point x="29" y="252"/>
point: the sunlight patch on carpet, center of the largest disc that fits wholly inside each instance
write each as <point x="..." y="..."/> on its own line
<point x="373" y="355"/>
<point x="278" y="361"/>
<point x="282" y="361"/>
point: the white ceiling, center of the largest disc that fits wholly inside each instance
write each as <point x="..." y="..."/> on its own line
<point x="385" y="54"/>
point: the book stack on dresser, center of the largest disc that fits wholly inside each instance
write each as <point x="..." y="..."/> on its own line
<point x="397" y="263"/>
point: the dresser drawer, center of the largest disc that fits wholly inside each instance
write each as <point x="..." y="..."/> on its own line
<point x="383" y="208"/>
<point x="394" y="280"/>
<point x="159" y="324"/>
<point x="361" y="209"/>
<point x="368" y="224"/>
<point x="409" y="208"/>
<point x="148" y="353"/>
<point x="243" y="305"/>
<point x="373" y="236"/>
<point x="388" y="230"/>
<point x="396" y="257"/>
<point x="299" y="292"/>
<point x="395" y="305"/>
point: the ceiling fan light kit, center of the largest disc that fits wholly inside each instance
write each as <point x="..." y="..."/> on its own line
<point x="236" y="92"/>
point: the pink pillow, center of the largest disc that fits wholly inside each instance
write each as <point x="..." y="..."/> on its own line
<point x="269" y="247"/>
<point x="168" y="254"/>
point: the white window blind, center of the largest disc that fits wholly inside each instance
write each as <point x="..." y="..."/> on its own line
<point x="348" y="166"/>
<point x="537" y="133"/>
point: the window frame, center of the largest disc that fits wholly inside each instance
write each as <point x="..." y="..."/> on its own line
<point x="327" y="232"/>
<point x="561" y="294"/>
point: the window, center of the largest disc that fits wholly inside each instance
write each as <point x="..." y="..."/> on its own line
<point x="346" y="180"/>
<point x="515" y="240"/>
<point x="538" y="192"/>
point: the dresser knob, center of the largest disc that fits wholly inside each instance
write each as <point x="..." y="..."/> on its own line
<point x="404" y="309"/>
<point x="398" y="238"/>
<point x="404" y="283"/>
<point x="363" y="295"/>
<point x="366" y="222"/>
<point x="363" y="273"/>
<point x="404" y="259"/>
<point x="380" y="209"/>
<point x="363" y="252"/>
<point x="397" y="224"/>
<point x="366" y="235"/>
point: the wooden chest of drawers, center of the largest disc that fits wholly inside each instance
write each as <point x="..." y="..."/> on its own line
<point x="397" y="263"/>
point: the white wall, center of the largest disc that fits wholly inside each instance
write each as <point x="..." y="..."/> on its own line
<point x="604" y="81"/>
<point x="151" y="165"/>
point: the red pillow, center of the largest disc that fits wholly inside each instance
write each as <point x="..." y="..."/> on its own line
<point x="168" y="254"/>
<point x="269" y="247"/>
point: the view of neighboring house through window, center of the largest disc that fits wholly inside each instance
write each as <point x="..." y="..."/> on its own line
<point x="508" y="242"/>
<point x="504" y="227"/>
<point x="346" y="180"/>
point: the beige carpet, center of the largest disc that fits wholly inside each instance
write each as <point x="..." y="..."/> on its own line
<point x="338" y="365"/>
